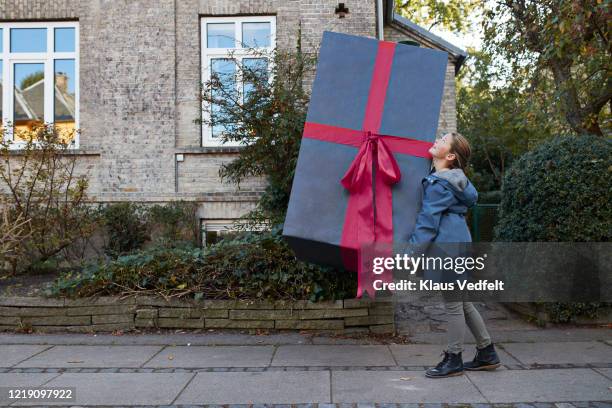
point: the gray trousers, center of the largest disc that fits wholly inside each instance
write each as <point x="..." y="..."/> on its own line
<point x="459" y="314"/>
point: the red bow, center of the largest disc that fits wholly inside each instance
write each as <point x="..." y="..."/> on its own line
<point x="373" y="151"/>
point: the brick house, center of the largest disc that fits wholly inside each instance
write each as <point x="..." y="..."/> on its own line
<point x="127" y="73"/>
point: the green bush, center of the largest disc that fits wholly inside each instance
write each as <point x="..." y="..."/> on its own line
<point x="565" y="312"/>
<point x="252" y="265"/>
<point x="173" y="223"/>
<point x="560" y="192"/>
<point x="132" y="226"/>
<point x="126" y="227"/>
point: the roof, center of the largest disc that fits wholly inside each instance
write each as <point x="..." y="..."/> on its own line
<point x="393" y="18"/>
<point x="29" y="103"/>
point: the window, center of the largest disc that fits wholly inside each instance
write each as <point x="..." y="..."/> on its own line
<point x="214" y="231"/>
<point x="227" y="41"/>
<point x="39" y="68"/>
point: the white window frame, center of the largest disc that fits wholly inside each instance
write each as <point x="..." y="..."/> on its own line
<point x="47" y="58"/>
<point x="220" y="226"/>
<point x="237" y="53"/>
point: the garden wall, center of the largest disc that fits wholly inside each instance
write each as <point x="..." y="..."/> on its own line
<point x="104" y="314"/>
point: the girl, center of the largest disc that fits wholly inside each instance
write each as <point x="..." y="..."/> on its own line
<point x="447" y="194"/>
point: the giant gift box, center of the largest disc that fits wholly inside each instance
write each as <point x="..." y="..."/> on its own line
<point x="372" y="117"/>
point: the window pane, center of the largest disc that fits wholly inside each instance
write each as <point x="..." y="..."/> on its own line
<point x="64" y="101"/>
<point x="211" y="237"/>
<point x="256" y="35"/>
<point x="1" y="40"/>
<point x="64" y="40"/>
<point x="28" y="40"/>
<point x="225" y="70"/>
<point x="29" y="98"/>
<point x="220" y="35"/>
<point x="255" y="70"/>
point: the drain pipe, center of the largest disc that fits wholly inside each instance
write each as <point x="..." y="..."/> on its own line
<point x="379" y="20"/>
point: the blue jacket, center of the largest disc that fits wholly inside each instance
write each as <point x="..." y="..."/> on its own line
<point x="447" y="195"/>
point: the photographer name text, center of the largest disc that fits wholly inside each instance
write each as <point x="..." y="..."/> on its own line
<point x="404" y="284"/>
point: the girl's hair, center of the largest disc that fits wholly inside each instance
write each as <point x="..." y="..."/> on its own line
<point x="460" y="147"/>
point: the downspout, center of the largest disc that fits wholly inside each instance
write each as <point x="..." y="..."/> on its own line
<point x="379" y="20"/>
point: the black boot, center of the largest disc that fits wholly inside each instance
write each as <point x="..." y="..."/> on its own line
<point x="486" y="359"/>
<point x="451" y="365"/>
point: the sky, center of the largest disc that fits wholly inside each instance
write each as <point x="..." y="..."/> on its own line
<point x="463" y="41"/>
<point x="471" y="39"/>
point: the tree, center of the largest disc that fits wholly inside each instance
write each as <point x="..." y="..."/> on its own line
<point x="267" y="117"/>
<point x="43" y="199"/>
<point x="31" y="79"/>
<point x="501" y="121"/>
<point x="453" y="15"/>
<point x="560" y="44"/>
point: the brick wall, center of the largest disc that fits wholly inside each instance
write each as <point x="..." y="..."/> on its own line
<point x="139" y="78"/>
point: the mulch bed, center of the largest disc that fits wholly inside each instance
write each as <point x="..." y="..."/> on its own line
<point x="26" y="284"/>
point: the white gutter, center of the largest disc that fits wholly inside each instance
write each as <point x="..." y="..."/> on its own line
<point x="379" y="20"/>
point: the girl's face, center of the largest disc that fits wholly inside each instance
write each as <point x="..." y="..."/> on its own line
<point x="441" y="148"/>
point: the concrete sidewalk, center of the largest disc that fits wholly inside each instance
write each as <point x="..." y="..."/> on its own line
<point x="556" y="366"/>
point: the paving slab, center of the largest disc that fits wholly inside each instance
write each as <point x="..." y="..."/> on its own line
<point x="605" y="371"/>
<point x="429" y="354"/>
<point x="551" y="385"/>
<point x="576" y="352"/>
<point x="92" y="356"/>
<point x="14" y="353"/>
<point x="272" y="387"/>
<point x="121" y="388"/>
<point x="540" y="335"/>
<point x="401" y="387"/>
<point x="213" y="356"/>
<point x="333" y="355"/>
<point x="22" y="380"/>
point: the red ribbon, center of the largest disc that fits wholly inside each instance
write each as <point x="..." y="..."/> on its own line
<point x="369" y="213"/>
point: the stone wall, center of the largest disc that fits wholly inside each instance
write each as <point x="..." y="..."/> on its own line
<point x="105" y="314"/>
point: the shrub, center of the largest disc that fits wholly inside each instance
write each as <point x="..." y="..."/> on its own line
<point x="126" y="227"/>
<point x="565" y="312"/>
<point x="174" y="222"/>
<point x="13" y="231"/>
<point x="131" y="226"/>
<point x="560" y="192"/>
<point x="252" y="265"/>
<point x="40" y="185"/>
